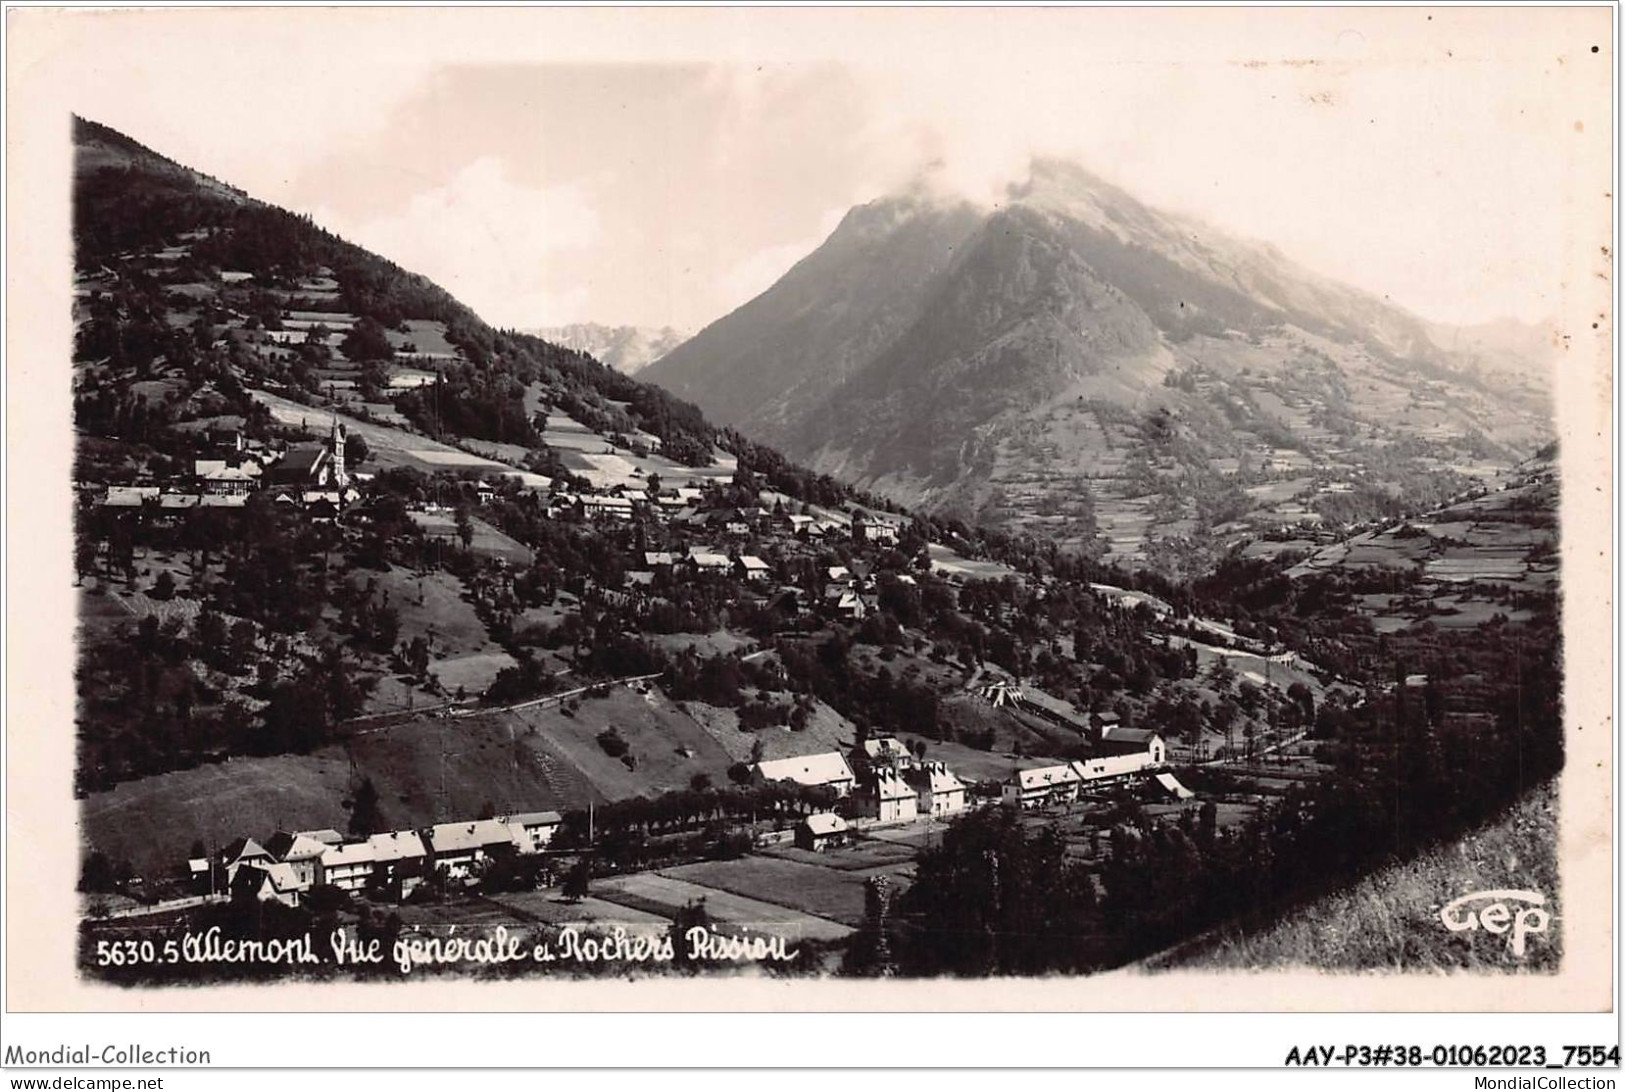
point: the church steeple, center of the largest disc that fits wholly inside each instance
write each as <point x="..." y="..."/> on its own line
<point x="341" y="477"/>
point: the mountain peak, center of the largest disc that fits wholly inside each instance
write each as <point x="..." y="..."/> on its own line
<point x="1073" y="362"/>
<point x="1069" y="189"/>
<point x="627" y="349"/>
<point x="1053" y="171"/>
<point x="884" y="214"/>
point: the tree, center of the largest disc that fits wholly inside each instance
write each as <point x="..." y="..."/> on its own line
<point x="96" y="874"/>
<point x="1223" y="718"/>
<point x="1208" y="824"/>
<point x="870" y="950"/>
<point x="994" y="898"/>
<point x="84" y="556"/>
<point x="242" y="644"/>
<point x="297" y="717"/>
<point x="1304" y="699"/>
<point x="366" y="818"/>
<point x="577" y="879"/>
<point x="367" y="340"/>
<point x="416" y="657"/>
<point x="325" y="899"/>
<point x="209" y="632"/>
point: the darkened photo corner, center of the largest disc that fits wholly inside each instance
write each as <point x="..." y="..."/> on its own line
<point x="719" y="548"/>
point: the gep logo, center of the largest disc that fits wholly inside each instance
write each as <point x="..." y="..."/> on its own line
<point x="1469" y="912"/>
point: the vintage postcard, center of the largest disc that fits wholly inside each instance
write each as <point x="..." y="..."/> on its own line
<point x="966" y="509"/>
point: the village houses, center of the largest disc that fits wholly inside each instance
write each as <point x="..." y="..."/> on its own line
<point x="269" y="881"/>
<point x="459" y="849"/>
<point x="1040" y="786"/>
<point x="532" y="831"/>
<point x="301" y="853"/>
<point x="940" y="793"/>
<point x="887" y="798"/>
<point x="821" y="831"/>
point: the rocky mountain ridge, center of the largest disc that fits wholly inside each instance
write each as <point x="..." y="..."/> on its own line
<point x="1074" y="364"/>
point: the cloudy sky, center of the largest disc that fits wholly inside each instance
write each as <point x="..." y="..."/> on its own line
<point x="662" y="166"/>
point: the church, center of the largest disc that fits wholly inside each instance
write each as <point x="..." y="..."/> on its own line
<point x="317" y="465"/>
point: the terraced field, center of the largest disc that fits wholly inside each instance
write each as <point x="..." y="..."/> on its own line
<point x="1474" y="555"/>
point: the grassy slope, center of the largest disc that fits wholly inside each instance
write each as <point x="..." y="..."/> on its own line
<point x="532" y="759"/>
<point x="654" y="728"/>
<point x="1390" y="920"/>
<point x="826" y="730"/>
<point x="152" y="821"/>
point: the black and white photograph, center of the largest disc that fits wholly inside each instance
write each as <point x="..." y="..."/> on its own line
<point x="814" y="499"/>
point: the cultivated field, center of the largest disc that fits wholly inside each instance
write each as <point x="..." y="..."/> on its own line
<point x="810" y="888"/>
<point x="472" y="674"/>
<point x="427" y="337"/>
<point x="535" y="907"/>
<point x="950" y="564"/>
<point x="868" y="855"/>
<point x="660" y="894"/>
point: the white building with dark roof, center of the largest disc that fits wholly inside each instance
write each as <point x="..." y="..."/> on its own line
<point x="532" y="831"/>
<point x="820" y="831"/>
<point x="940" y="792"/>
<point x="459" y="849"/>
<point x="1040" y="785"/>
<point x="219" y="476"/>
<point x="888" y="799"/>
<point x="348" y="866"/>
<point x="888" y="751"/>
<point x="300" y="853"/>
<point x="710" y="561"/>
<point x="1124" y="751"/>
